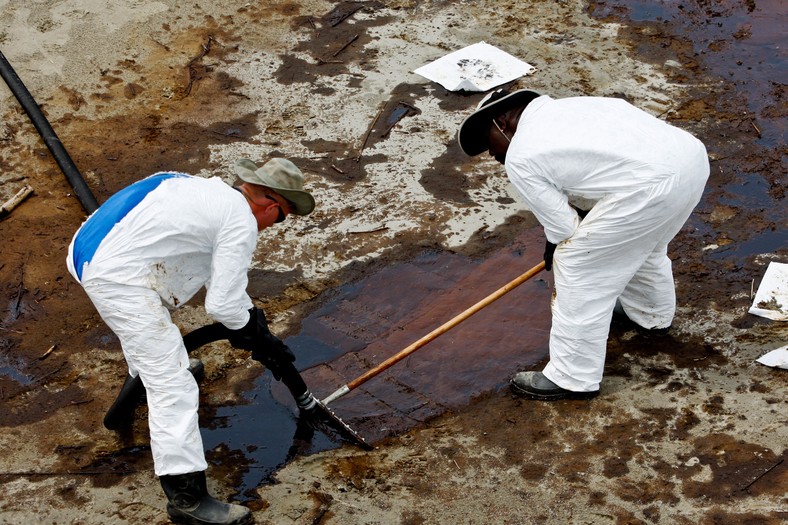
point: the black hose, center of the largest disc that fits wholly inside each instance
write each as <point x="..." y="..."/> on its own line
<point x="81" y="189"/>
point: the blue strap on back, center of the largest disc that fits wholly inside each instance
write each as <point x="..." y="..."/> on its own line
<point x="109" y="214"/>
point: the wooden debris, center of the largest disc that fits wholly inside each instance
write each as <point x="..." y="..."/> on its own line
<point x="341" y="13"/>
<point x="191" y="66"/>
<point x="15" y="201"/>
<point x="757" y="129"/>
<point x="369" y="130"/>
<point x="46" y="354"/>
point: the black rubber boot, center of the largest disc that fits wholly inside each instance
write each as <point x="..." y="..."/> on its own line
<point x="190" y="503"/>
<point x="535" y="385"/>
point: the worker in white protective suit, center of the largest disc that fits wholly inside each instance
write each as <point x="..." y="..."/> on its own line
<point x="151" y="247"/>
<point x="639" y="177"/>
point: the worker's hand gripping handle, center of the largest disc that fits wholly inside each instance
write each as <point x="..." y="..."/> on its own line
<point x="265" y="346"/>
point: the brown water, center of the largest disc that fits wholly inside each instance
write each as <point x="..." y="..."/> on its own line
<point x="368" y="320"/>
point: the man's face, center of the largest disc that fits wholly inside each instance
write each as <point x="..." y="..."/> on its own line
<point x="498" y="138"/>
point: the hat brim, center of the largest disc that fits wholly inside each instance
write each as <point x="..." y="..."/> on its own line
<point x="473" y="135"/>
<point x="302" y="201"/>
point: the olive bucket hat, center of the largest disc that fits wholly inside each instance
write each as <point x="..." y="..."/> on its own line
<point x="283" y="177"/>
<point x="473" y="133"/>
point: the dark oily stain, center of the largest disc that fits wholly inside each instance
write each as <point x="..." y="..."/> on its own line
<point x="104" y="468"/>
<point x="627" y="339"/>
<point x="341" y="169"/>
<point x="248" y="442"/>
<point x="734" y="38"/>
<point x="738" y="469"/>
<point x="140" y="145"/>
<point x="446" y="177"/>
<point x="40" y="402"/>
<point x="400" y="105"/>
<point x="343" y="162"/>
<point x="341" y="12"/>
<point x="12" y="367"/>
<point x="333" y="45"/>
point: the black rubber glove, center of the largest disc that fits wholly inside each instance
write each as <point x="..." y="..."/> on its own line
<point x="265" y="346"/>
<point x="549" y="250"/>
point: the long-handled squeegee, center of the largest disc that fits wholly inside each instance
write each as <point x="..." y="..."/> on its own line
<point x="445" y="327"/>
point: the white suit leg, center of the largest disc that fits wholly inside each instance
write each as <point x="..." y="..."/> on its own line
<point x="650" y="297"/>
<point x="153" y="347"/>
<point x="592" y="269"/>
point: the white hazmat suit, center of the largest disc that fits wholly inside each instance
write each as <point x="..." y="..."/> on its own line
<point x="644" y="178"/>
<point x="151" y="247"/>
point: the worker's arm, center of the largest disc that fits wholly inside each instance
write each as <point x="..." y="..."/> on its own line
<point x="226" y="299"/>
<point x="545" y="200"/>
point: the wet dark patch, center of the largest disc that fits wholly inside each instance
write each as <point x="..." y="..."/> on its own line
<point x="628" y="341"/>
<point x="146" y="144"/>
<point x="340" y="168"/>
<point x="335" y="42"/>
<point x="737" y="468"/>
<point x="446" y="178"/>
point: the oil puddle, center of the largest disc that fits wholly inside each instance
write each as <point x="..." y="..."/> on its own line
<point x="738" y="41"/>
<point x="370" y="319"/>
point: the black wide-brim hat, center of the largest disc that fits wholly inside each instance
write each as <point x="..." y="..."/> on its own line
<point x="474" y="131"/>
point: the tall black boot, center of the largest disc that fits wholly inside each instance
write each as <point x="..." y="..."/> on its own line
<point x="190" y="503"/>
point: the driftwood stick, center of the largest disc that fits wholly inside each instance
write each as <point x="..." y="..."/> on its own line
<point x="369" y="131"/>
<point x="15" y="201"/>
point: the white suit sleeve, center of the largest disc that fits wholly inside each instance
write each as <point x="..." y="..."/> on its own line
<point x="546" y="201"/>
<point x="226" y="300"/>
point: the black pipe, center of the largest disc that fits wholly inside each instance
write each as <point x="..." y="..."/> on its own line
<point x="67" y="166"/>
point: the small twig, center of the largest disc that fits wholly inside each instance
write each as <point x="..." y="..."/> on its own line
<point x="46" y="354"/>
<point x="369" y="131"/>
<point x="53" y="372"/>
<point x="763" y="474"/>
<point x="670" y="108"/>
<point x="757" y="130"/>
<point x="338" y="51"/>
<point x="19" y="292"/>
<point x="346" y="504"/>
<point x="380" y="229"/>
<point x="339" y="170"/>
